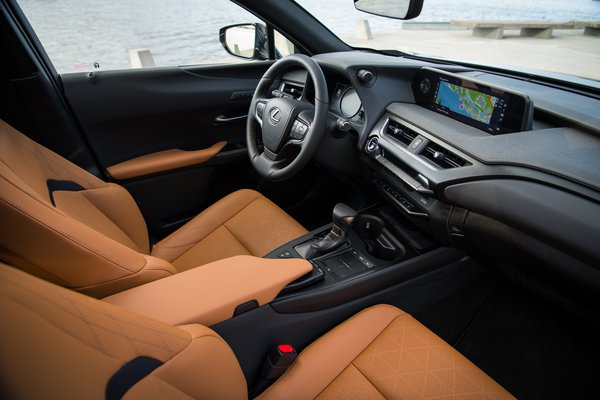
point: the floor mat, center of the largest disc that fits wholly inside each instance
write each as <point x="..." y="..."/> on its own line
<point x="450" y="317"/>
<point x="531" y="347"/>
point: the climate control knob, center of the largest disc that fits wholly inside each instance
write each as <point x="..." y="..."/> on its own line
<point x="372" y="144"/>
<point x="365" y="76"/>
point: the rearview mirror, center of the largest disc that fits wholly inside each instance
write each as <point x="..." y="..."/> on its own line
<point x="398" y="9"/>
<point x="247" y="41"/>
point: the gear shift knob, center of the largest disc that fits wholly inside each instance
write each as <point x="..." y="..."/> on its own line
<point x="343" y="216"/>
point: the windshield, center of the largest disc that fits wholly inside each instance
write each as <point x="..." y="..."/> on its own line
<point x="551" y="35"/>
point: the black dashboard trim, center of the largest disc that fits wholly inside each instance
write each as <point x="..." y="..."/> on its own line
<point x="565" y="152"/>
<point x="557" y="217"/>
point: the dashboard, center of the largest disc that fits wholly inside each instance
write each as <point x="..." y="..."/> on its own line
<point x="466" y="154"/>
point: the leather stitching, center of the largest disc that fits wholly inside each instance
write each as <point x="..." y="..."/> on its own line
<point x="358" y="355"/>
<point x="65" y="235"/>
<point x="92" y="324"/>
<point x="196" y="240"/>
<point x="5" y="251"/>
<point x="209" y="336"/>
<point x="125" y="278"/>
<point x="238" y="239"/>
<point x="339" y="326"/>
<point x="108" y="218"/>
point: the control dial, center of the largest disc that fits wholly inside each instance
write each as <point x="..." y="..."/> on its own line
<point x="365" y="76"/>
<point x="425" y="86"/>
<point x="372" y="144"/>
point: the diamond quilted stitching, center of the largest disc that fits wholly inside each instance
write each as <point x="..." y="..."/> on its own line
<point x="409" y="361"/>
<point x="350" y="384"/>
<point x="261" y="227"/>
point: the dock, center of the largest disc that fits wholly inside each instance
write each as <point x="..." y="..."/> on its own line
<point x="536" y="29"/>
<point x="572" y="51"/>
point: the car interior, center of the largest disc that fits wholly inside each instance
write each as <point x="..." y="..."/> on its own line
<point x="308" y="226"/>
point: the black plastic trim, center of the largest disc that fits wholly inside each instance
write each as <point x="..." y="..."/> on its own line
<point x="292" y="20"/>
<point x="561" y="219"/>
<point x="62" y="185"/>
<point x="128" y="375"/>
<point x="313" y="299"/>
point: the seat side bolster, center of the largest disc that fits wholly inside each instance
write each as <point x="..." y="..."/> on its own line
<point x="67" y="344"/>
<point x="118" y="205"/>
<point x="33" y="232"/>
<point x="321" y="362"/>
<point x="153" y="270"/>
<point x="34" y="164"/>
<point x="206" y="368"/>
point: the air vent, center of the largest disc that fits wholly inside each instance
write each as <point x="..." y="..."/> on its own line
<point x="443" y="157"/>
<point x="400" y="132"/>
<point x="292" y="89"/>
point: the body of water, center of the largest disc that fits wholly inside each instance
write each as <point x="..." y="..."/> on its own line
<point x="79" y="33"/>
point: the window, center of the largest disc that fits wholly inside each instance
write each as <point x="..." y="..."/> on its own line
<point x="80" y="35"/>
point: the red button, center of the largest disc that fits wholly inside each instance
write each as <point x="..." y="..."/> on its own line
<point x="286" y="349"/>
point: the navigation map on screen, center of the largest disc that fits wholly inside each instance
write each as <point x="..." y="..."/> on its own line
<point x="470" y="103"/>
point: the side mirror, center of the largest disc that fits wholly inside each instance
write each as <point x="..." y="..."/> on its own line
<point x="398" y="9"/>
<point x="248" y="41"/>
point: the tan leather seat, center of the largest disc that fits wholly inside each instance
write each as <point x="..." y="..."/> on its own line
<point x="65" y="225"/>
<point x="55" y="343"/>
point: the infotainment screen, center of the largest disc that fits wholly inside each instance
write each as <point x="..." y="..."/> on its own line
<point x="488" y="108"/>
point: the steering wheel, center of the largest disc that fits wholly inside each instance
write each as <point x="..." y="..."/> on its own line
<point x="291" y="129"/>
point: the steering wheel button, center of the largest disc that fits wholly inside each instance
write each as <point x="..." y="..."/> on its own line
<point x="260" y="109"/>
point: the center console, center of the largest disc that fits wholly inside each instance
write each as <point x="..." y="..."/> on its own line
<point x="361" y="259"/>
<point x="379" y="248"/>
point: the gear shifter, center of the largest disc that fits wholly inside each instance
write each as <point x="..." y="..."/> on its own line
<point x="343" y="216"/>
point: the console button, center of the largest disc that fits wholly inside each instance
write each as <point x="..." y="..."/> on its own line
<point x="416" y="143"/>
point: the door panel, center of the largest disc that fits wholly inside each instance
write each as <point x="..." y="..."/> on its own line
<point x="132" y="113"/>
<point x="126" y="114"/>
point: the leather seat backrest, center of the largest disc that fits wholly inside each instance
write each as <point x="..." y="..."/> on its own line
<point x="55" y="343"/>
<point x="65" y="225"/>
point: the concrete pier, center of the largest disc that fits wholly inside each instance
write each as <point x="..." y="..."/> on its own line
<point x="141" y="58"/>
<point x="363" y="30"/>
<point x="569" y="51"/>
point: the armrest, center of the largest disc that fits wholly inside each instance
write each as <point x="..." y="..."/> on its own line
<point x="163" y="161"/>
<point x="210" y="293"/>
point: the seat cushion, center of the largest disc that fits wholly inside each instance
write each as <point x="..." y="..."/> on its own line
<point x="383" y="353"/>
<point x="242" y="223"/>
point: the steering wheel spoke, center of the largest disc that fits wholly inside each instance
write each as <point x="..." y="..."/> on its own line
<point x="262" y="162"/>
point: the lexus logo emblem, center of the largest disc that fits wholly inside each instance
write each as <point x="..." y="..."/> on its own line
<point x="275" y="115"/>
